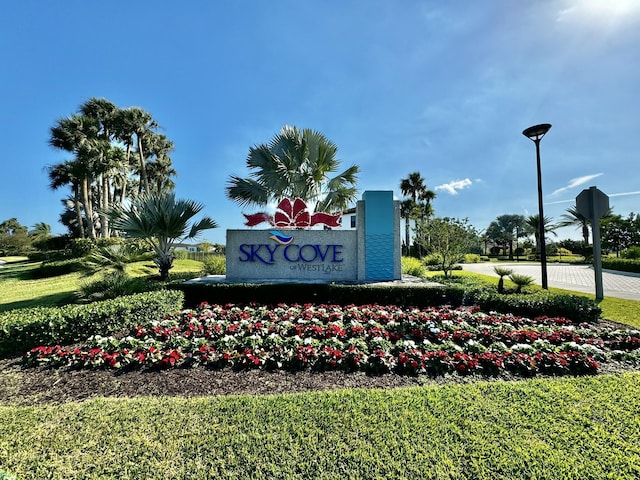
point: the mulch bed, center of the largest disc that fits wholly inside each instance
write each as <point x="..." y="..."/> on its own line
<point x="38" y="386"/>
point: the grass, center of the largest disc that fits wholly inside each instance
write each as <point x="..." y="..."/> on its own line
<point x="19" y="290"/>
<point x="570" y="428"/>
<point x="580" y="428"/>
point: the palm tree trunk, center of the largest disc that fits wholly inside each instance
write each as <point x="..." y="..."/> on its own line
<point x="125" y="176"/>
<point x="406" y="235"/>
<point x="88" y="209"/>
<point x="585" y="233"/>
<point x="144" y="182"/>
<point x="105" y="206"/>
<point x="76" y="200"/>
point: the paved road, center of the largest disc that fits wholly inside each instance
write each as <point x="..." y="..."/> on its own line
<point x="579" y="278"/>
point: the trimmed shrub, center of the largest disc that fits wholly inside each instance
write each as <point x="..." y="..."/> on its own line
<point x="115" y="285"/>
<point x="463" y="292"/>
<point x="621" y="264"/>
<point x="413" y="266"/>
<point x="21" y="330"/>
<point x="632" y="253"/>
<point x="432" y="259"/>
<point x="180" y="254"/>
<point x="574" y="307"/>
<point x="471" y="258"/>
<point x="269" y="294"/>
<point x="215" y="265"/>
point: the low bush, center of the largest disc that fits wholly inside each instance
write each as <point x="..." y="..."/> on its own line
<point x="621" y="264"/>
<point x="413" y="266"/>
<point x="471" y="258"/>
<point x="180" y="254"/>
<point x="432" y="259"/>
<point x="23" y="329"/>
<point x="116" y="285"/>
<point x="632" y="253"/>
<point x="576" y="308"/>
<point x="215" y="265"/>
<point x="460" y="291"/>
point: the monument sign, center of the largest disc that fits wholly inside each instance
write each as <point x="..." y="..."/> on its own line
<point x="291" y="250"/>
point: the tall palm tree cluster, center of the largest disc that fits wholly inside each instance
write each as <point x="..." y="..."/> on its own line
<point x="417" y="203"/>
<point x="116" y="154"/>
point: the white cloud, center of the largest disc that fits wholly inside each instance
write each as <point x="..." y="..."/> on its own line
<point x="576" y="182"/>
<point x="624" y="194"/>
<point x="453" y="187"/>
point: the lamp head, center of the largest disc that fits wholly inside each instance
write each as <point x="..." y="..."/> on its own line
<point x="536" y="132"/>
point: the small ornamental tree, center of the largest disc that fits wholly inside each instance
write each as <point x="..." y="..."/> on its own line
<point x="161" y="221"/>
<point x="448" y="237"/>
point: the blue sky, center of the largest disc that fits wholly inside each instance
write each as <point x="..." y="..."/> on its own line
<point x="443" y="88"/>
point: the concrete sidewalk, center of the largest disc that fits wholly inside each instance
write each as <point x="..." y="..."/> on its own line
<point x="579" y="278"/>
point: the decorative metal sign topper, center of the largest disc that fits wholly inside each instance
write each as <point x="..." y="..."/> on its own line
<point x="293" y="214"/>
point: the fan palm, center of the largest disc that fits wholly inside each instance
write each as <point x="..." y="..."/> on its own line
<point x="502" y="272"/>
<point x="295" y="164"/>
<point x="161" y="221"/>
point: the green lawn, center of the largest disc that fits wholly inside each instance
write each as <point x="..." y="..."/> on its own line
<point x="19" y="290"/>
<point x="569" y="428"/>
<point x="580" y="428"/>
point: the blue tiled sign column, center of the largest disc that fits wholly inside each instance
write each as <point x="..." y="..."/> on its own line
<point x="380" y="233"/>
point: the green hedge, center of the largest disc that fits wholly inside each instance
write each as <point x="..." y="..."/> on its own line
<point x="576" y="308"/>
<point x="23" y="329"/>
<point x="270" y="294"/>
<point x="621" y="264"/>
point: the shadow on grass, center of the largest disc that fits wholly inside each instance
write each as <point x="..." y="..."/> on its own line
<point x="19" y="270"/>
<point x="53" y="300"/>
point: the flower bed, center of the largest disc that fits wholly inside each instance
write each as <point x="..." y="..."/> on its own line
<point x="374" y="338"/>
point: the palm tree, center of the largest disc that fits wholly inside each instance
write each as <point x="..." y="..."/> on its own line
<point x="77" y="134"/>
<point x="418" y="203"/>
<point x="104" y="112"/>
<point x="160" y="171"/>
<point x="64" y="174"/>
<point x="521" y="280"/>
<point x="533" y="224"/>
<point x="143" y="125"/>
<point x="161" y="221"/>
<point x="573" y="218"/>
<point x="296" y="164"/>
<point x="506" y="229"/>
<point x="40" y="231"/>
<point x="502" y="272"/>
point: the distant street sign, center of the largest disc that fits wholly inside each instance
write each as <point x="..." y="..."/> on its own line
<point x="591" y="203"/>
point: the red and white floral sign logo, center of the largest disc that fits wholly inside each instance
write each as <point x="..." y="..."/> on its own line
<point x="293" y="214"/>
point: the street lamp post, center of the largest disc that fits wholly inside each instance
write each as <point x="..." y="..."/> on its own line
<point x="535" y="134"/>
